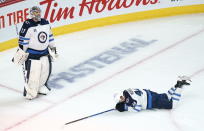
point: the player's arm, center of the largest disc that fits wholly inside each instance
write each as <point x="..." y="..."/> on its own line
<point x="137" y="106"/>
<point x="24" y="37"/>
<point x="51" y="39"/>
<point x="52" y="48"/>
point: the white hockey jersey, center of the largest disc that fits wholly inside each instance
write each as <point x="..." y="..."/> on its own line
<point x="36" y="37"/>
<point x="135" y="99"/>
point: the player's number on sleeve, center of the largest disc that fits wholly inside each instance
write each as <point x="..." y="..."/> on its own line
<point x="23" y="30"/>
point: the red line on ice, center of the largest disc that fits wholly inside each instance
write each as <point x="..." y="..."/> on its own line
<point x="2" y="86"/>
<point x="171" y="112"/>
<point x="18" y="91"/>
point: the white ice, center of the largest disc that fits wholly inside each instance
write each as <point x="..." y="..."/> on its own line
<point x="178" y="50"/>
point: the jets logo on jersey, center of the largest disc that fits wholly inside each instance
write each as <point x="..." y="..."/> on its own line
<point x="42" y="37"/>
<point x="127" y="100"/>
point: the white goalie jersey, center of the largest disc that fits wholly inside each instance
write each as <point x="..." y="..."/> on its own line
<point x="36" y="37"/>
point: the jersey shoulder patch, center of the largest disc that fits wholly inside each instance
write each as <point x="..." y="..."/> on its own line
<point x="26" y="25"/>
<point x="44" y="21"/>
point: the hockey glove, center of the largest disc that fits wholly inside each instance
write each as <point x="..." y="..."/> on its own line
<point x="121" y="107"/>
<point x="53" y="53"/>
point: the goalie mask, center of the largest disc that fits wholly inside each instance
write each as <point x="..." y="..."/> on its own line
<point x="35" y="13"/>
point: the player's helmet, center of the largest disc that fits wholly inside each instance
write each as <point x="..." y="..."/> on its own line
<point x="35" y="13"/>
<point x="121" y="107"/>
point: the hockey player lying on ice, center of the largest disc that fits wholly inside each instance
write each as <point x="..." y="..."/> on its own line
<point x="137" y="99"/>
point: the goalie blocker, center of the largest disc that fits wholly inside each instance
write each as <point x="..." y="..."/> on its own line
<point x="20" y="57"/>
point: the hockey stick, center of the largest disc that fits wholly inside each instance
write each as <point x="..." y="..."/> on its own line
<point x="89" y="116"/>
<point x="16" y="28"/>
<point x="24" y="71"/>
<point x="23" y="65"/>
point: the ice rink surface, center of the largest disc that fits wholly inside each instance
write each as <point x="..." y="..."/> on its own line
<point x="94" y="64"/>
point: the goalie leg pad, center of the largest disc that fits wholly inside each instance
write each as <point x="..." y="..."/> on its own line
<point x="45" y="73"/>
<point x="33" y="79"/>
<point x="44" y="70"/>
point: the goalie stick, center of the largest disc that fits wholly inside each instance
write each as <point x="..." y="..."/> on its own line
<point x="89" y="116"/>
<point x="16" y="26"/>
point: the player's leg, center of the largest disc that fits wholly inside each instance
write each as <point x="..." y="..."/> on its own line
<point x="32" y="78"/>
<point x="159" y="101"/>
<point x="175" y="92"/>
<point x="45" y="73"/>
